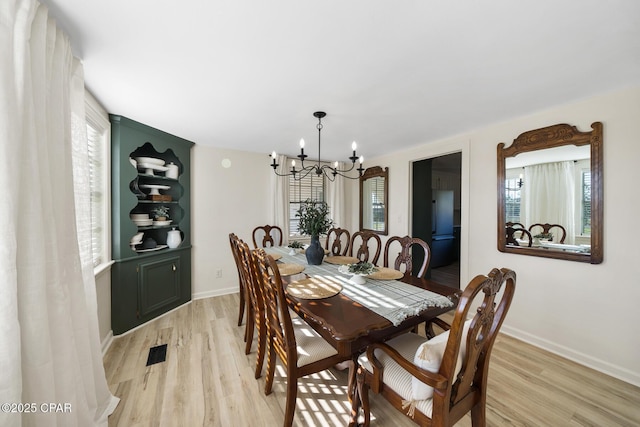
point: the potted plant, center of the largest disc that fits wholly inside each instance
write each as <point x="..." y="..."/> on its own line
<point x="314" y="220"/>
<point x="295" y="246"/>
<point x="160" y="213"/>
<point x="544" y="236"/>
<point x="358" y="271"/>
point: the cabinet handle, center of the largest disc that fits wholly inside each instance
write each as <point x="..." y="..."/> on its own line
<point x="173" y="267"/>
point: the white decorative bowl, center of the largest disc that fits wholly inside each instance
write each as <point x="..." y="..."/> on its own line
<point x="151" y="160"/>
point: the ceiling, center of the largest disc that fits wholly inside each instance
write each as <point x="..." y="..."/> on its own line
<point x="248" y="74"/>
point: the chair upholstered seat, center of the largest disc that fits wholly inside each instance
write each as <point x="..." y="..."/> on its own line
<point x="395" y="377"/>
<point x="437" y="381"/>
<point x="310" y="345"/>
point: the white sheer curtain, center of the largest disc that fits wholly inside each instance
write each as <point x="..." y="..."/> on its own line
<point x="335" y="199"/>
<point x="280" y="200"/>
<point x="548" y="196"/>
<point x="49" y="341"/>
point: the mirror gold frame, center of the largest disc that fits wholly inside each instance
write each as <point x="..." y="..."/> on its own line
<point x="372" y="173"/>
<point x="550" y="137"/>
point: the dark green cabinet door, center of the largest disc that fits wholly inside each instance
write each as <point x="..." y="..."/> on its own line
<point x="158" y="284"/>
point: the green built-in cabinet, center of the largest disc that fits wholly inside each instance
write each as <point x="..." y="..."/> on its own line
<point x="148" y="281"/>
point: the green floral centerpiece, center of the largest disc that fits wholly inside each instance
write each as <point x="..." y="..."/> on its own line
<point x="358" y="271"/>
<point x="313" y="221"/>
<point x="294" y="247"/>
<point x="545" y="236"/>
<point x="314" y="218"/>
<point x="363" y="268"/>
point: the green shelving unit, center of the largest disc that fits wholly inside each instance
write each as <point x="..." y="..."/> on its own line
<point x="148" y="280"/>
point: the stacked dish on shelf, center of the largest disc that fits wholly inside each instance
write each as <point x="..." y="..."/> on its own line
<point x="150" y="164"/>
<point x="141" y="220"/>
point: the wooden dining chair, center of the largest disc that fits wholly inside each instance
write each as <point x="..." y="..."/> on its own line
<point x="546" y="229"/>
<point x="364" y="244"/>
<point x="301" y="350"/>
<point x="513" y="240"/>
<point x="338" y="241"/>
<point x="256" y="318"/>
<point x="436" y="382"/>
<point x="404" y="258"/>
<point x="267" y="235"/>
<point x="233" y="241"/>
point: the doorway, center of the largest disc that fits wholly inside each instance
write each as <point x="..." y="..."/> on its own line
<point x="436" y="215"/>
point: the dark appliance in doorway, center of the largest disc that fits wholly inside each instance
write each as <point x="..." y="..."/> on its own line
<point x="442" y="236"/>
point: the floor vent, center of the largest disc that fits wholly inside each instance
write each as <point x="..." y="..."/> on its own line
<point x="157" y="354"/>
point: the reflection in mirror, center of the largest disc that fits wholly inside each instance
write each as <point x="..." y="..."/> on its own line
<point x="550" y="194"/>
<point x="374" y="200"/>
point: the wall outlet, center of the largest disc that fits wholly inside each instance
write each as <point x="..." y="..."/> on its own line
<point x="219" y="274"/>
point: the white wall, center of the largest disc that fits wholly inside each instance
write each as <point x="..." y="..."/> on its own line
<point x="224" y="200"/>
<point x="585" y="312"/>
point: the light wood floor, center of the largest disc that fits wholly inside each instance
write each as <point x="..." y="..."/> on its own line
<point x="207" y="380"/>
<point x="447" y="274"/>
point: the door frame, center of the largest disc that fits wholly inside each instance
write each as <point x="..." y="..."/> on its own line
<point x="431" y="151"/>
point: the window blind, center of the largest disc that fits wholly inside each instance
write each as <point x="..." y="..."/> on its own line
<point x="311" y="187"/>
<point x="586" y="203"/>
<point x="96" y="145"/>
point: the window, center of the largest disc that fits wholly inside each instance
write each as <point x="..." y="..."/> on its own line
<point x="311" y="187"/>
<point x="512" y="199"/>
<point x="586" y="203"/>
<point x="98" y="149"/>
<point x="376" y="191"/>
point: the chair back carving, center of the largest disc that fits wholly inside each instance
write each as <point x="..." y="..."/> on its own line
<point x="546" y="229"/>
<point x="280" y="330"/>
<point x="511" y="236"/>
<point x="454" y="394"/>
<point x="338" y="241"/>
<point x="256" y="310"/>
<point x="267" y="235"/>
<point x="405" y="256"/>
<point x="366" y="246"/>
<point x="482" y="334"/>
<point x="244" y="303"/>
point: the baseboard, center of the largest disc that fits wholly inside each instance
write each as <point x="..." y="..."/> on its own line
<point x="599" y="365"/>
<point x="154" y="319"/>
<point x="106" y="342"/>
<point x="215" y="293"/>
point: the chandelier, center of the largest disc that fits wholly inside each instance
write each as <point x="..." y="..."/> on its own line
<point x="318" y="168"/>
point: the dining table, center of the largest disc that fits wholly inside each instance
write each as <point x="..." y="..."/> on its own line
<point x="353" y="316"/>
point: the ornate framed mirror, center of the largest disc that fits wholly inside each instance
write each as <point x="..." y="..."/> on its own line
<point x="374" y="200"/>
<point x="550" y="194"/>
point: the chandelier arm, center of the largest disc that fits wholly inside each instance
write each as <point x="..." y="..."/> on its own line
<point x="345" y="170"/>
<point x="335" y="172"/>
<point x="304" y="170"/>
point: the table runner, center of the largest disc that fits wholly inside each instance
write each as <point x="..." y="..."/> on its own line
<point x="391" y="299"/>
